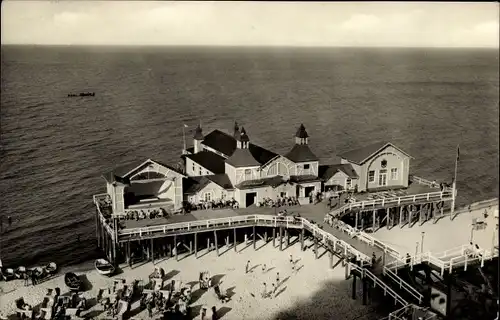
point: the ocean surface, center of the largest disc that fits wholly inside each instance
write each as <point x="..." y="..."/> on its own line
<point x="54" y="148"/>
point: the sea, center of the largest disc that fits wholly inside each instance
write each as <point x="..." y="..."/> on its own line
<point x="54" y="149"/>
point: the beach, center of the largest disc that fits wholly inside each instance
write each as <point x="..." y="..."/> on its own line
<point x="313" y="292"/>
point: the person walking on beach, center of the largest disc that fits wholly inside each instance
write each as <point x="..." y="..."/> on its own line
<point x="277" y="279"/>
<point x="291" y="259"/>
<point x="271" y="294"/>
<point x="264" y="292"/>
<point x="247" y="267"/>
<point x="263" y="268"/>
<point x="25" y="277"/>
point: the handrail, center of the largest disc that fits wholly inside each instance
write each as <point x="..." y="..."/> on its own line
<point x="404" y="285"/>
<point x="392" y="200"/>
<point x="272" y="220"/>
<point x="423" y="181"/>
<point x="377" y="280"/>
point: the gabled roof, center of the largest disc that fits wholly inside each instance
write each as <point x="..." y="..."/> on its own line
<point x="208" y="160"/>
<point x="122" y="173"/>
<point x="226" y="144"/>
<point x="242" y="158"/>
<point x="260" y="183"/>
<point x="325" y="172"/>
<point x="221" y="180"/>
<point x="361" y="155"/>
<point x="193" y="185"/>
<point x="301" y="153"/>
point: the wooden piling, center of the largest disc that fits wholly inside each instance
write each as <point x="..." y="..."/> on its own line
<point x="274" y="237"/>
<point x="354" y="286"/>
<point x="316" y="247"/>
<point x="234" y="238"/>
<point x="129" y="260"/>
<point x="97" y="227"/>
<point x="365" y="290"/>
<point x="175" y="248"/>
<point x="152" y="252"/>
<point x="374" y="221"/>
<point x="356" y="221"/>
<point x="302" y="234"/>
<point x="216" y="244"/>
<point x="254" y="239"/>
<point x="196" y="245"/>
<point x="330" y="247"/>
<point x="265" y="236"/>
<point x="281" y="238"/>
<point x="387" y="217"/>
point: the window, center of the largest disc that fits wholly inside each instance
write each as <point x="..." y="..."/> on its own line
<point x="208" y="196"/>
<point x="200" y="171"/>
<point x="194" y="168"/>
<point x="248" y="174"/>
<point x="306" y="166"/>
<point x="382" y="177"/>
<point x="283" y="194"/>
<point x="371" y="176"/>
<point x="394" y="174"/>
<point x="348" y="183"/>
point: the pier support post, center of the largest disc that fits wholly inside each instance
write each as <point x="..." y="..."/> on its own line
<point x="175" y="248"/>
<point x="281" y="238"/>
<point x="316" y="247"/>
<point x="234" y="238"/>
<point x="449" y="283"/>
<point x="354" y="286"/>
<point x="365" y="290"/>
<point x="152" y="252"/>
<point x="227" y="242"/>
<point x="302" y="234"/>
<point x="330" y="246"/>
<point x="287" y="239"/>
<point x="129" y="260"/>
<point x="374" y="220"/>
<point x="216" y="244"/>
<point x="387" y="218"/>
<point x="356" y="222"/>
<point x="410" y="215"/>
<point x="208" y="244"/>
<point x="254" y="239"/>
<point x="196" y="245"/>
<point x="97" y="227"/>
<point x="169" y="250"/>
<point x="190" y="247"/>
<point x="274" y="237"/>
<point x="265" y="236"/>
<point x="401" y="216"/>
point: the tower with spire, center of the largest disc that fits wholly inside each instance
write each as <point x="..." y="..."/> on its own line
<point x="300" y="152"/>
<point x="198" y="139"/>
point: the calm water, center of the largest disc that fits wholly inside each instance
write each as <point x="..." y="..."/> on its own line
<point x="54" y="148"/>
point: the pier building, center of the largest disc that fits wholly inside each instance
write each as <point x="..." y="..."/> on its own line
<point x="377" y="191"/>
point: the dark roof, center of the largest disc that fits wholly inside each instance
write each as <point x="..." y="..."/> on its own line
<point x="301" y="153"/>
<point x="198" y="133"/>
<point x="325" y="172"/>
<point x="301" y="132"/>
<point x="304" y="178"/>
<point x="259" y="183"/>
<point x="193" y="185"/>
<point x="190" y="150"/>
<point x="226" y="144"/>
<point x="118" y="173"/>
<point x="208" y="160"/>
<point x="221" y="142"/>
<point x="359" y="156"/>
<point x="242" y="158"/>
<point x="222" y="180"/>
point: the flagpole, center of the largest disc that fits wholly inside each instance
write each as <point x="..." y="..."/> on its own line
<point x="184" y="139"/>
<point x="455" y="184"/>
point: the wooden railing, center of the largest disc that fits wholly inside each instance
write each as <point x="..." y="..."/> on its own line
<point x="377" y="281"/>
<point x="404" y="285"/>
<point x="369" y="204"/>
<point x="458" y="257"/>
<point x="423" y="181"/>
<point x="265" y="220"/>
<point x="97" y="199"/>
<point x="412" y="311"/>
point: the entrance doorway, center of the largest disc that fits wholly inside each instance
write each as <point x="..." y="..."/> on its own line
<point x="250" y="198"/>
<point x="382" y="178"/>
<point x="309" y="191"/>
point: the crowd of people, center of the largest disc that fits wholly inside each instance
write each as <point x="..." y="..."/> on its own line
<point x="279" y="202"/>
<point x="213" y="204"/>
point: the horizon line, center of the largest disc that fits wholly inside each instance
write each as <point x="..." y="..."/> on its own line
<point x="246" y="46"/>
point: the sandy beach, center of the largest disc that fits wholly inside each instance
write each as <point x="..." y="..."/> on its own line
<point x="313" y="292"/>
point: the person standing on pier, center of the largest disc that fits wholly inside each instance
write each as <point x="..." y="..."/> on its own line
<point x="374" y="259"/>
<point x="408" y="258"/>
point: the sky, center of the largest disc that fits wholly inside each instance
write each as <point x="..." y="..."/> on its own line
<point x="365" y="24"/>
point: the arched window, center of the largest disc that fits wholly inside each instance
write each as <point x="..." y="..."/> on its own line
<point x="148" y="175"/>
<point x="278" y="168"/>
